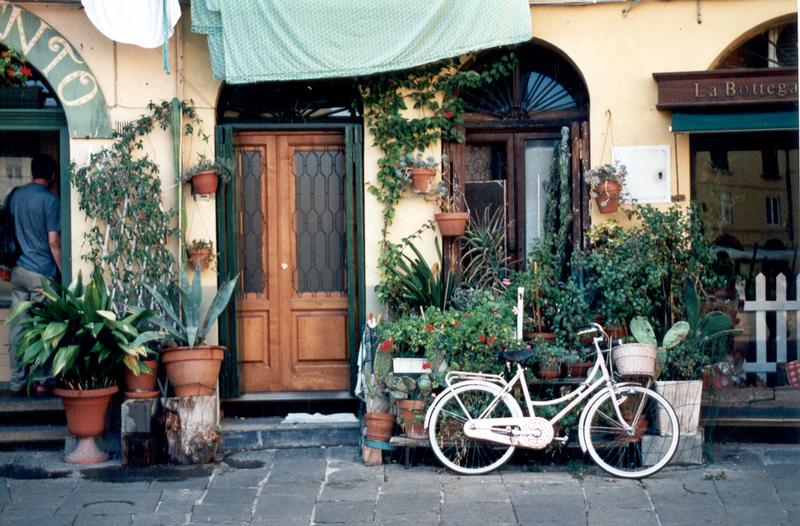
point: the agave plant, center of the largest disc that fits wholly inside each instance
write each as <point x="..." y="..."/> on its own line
<point x="485" y="261"/>
<point x="74" y="336"/>
<point x="182" y="322"/>
<point x="423" y="285"/>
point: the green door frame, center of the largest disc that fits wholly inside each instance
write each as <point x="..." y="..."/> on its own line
<point x="228" y="239"/>
<point x="50" y="120"/>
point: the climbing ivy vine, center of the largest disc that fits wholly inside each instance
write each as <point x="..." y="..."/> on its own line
<point x="397" y="135"/>
<point x="120" y="193"/>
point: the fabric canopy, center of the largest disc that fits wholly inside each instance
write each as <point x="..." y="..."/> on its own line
<point x="137" y="22"/>
<point x="311" y="39"/>
<point x="730" y="122"/>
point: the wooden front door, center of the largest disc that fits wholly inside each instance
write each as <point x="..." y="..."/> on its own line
<point x="293" y="309"/>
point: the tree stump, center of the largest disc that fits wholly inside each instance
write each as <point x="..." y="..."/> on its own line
<point x="192" y="429"/>
<point x="141" y="432"/>
<point x="371" y="456"/>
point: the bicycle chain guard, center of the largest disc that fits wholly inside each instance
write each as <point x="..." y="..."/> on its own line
<point x="536" y="433"/>
<point x="529" y="432"/>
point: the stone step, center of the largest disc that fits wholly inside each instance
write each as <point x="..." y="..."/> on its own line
<point x="25" y="435"/>
<point x="272" y="432"/>
<point x="23" y="405"/>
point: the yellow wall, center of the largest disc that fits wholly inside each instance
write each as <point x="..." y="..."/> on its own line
<point x="617" y="55"/>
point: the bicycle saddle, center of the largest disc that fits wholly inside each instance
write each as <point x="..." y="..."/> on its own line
<point x="519" y="355"/>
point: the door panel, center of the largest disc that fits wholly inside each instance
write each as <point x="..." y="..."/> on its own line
<point x="294" y="305"/>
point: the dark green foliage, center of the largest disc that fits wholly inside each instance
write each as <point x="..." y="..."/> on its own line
<point x="484" y="260"/>
<point x="74" y="335"/>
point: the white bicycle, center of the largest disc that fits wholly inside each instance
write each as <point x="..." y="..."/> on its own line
<point x="475" y="424"/>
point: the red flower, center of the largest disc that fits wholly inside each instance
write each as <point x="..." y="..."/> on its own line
<point x="26" y="71"/>
<point x="482" y="338"/>
<point x="386" y="345"/>
<point x="10" y="73"/>
<point x="457" y="323"/>
<point x="426" y="365"/>
<point x="490" y="340"/>
<point x="429" y="327"/>
<point x="449" y="114"/>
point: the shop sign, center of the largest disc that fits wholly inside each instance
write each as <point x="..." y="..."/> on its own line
<point x="63" y="67"/>
<point x="726" y="88"/>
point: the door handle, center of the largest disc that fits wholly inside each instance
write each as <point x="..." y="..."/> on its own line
<point x="284" y="266"/>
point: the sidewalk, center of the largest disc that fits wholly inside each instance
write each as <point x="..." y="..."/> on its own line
<point x="749" y="485"/>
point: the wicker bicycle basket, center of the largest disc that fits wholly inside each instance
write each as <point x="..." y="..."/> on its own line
<point x="635" y="359"/>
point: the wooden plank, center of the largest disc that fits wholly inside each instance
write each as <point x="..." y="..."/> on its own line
<point x="775" y="306"/>
<point x="761" y="328"/>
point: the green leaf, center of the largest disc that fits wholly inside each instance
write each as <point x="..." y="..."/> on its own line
<point x="21" y="307"/>
<point x="692" y="304"/>
<point x="713" y="323"/>
<point x="218" y="304"/>
<point x="64" y="359"/>
<point x="676" y="334"/>
<point x="642" y="331"/>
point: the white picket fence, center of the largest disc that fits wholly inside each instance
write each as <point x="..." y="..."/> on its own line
<point x="780" y="306"/>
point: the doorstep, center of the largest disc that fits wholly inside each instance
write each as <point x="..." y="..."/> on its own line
<point x="276" y="433"/>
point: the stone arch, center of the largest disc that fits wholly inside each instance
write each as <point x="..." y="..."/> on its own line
<point x="49" y="52"/>
<point x="747" y="35"/>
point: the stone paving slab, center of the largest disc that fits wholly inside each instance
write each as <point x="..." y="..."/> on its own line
<point x="752" y="485"/>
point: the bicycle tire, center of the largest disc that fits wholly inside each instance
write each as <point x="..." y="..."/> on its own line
<point x="454" y="449"/>
<point x="640" y="452"/>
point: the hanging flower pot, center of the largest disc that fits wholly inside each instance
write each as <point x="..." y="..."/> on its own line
<point x="201" y="252"/>
<point x="452" y="223"/>
<point x="607" y="198"/>
<point x="422" y="179"/>
<point x="204" y="183"/>
<point x="86" y="419"/>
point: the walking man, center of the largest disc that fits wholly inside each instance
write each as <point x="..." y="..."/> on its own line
<point x="37" y="226"/>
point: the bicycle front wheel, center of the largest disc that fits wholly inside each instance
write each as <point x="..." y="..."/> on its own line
<point x="452" y="446"/>
<point x="639" y="445"/>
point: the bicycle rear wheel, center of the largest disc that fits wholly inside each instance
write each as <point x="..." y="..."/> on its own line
<point x="452" y="446"/>
<point x="635" y="452"/>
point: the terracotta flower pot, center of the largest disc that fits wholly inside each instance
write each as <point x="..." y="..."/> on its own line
<point x="547" y="371"/>
<point x="144" y="385"/>
<point x="608" y="196"/>
<point x="579" y="369"/>
<point x="86" y="419"/>
<point x="546" y="336"/>
<point x="205" y="183"/>
<point x="200" y="255"/>
<point x="379" y="426"/>
<point x="412" y="410"/>
<point x="452" y="223"/>
<point x="422" y="179"/>
<point x="193" y="371"/>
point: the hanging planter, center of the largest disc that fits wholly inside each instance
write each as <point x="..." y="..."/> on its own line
<point x="607" y="182"/>
<point x="421" y="171"/>
<point x="422" y="179"/>
<point x="206" y="174"/>
<point x="201" y="252"/>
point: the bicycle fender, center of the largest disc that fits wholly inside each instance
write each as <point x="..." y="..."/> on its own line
<point x="440" y="396"/>
<point x="593" y="400"/>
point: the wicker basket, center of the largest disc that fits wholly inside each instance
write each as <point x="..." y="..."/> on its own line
<point x="635" y="359"/>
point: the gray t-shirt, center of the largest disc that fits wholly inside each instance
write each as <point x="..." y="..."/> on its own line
<point x="36" y="212"/>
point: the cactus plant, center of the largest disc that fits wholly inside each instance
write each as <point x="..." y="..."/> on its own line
<point x="643" y="332"/>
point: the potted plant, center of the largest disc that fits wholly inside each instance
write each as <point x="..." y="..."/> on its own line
<point x="606" y="184"/>
<point x="205" y="174"/>
<point x="142" y="384"/>
<point x="410" y="396"/>
<point x="680" y="376"/>
<point x="375" y="369"/>
<point x="452" y="218"/>
<point x="201" y="253"/>
<point x="74" y="336"/>
<point x="192" y="367"/>
<point x="548" y="360"/>
<point x="575" y="363"/>
<point x="421" y="170"/>
<point x="14" y="74"/>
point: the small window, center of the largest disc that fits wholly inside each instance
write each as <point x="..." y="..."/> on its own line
<point x="773" y="210"/>
<point x="726" y="208"/>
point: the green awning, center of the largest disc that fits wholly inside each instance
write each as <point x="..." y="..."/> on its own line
<point x="731" y="122"/>
<point x="309" y="39"/>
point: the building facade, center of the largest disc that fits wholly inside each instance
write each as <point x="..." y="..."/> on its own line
<point x="299" y="221"/>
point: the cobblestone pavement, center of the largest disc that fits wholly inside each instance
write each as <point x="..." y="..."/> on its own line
<point x="748" y="485"/>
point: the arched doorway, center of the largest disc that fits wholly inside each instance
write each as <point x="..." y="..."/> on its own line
<point x="292" y="221"/>
<point x="512" y="128"/>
